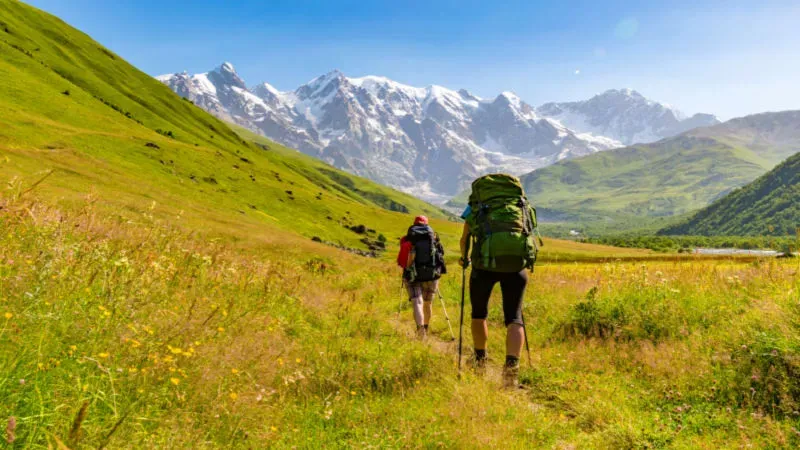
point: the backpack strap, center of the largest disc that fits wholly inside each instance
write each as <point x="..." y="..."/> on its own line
<point x="527" y="221"/>
<point x="482" y="220"/>
<point x="432" y="237"/>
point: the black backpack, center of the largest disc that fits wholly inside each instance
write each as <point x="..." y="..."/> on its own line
<point x="428" y="264"/>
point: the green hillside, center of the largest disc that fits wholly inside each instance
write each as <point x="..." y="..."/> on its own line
<point x="768" y="206"/>
<point x="668" y="178"/>
<point x="662" y="179"/>
<point x="71" y="106"/>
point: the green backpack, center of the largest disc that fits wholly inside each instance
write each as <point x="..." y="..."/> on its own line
<point x="502" y="225"/>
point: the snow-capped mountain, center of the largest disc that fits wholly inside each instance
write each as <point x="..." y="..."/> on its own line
<point x="429" y="141"/>
<point x="625" y="116"/>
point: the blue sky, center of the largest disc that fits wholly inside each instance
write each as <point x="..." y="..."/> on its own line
<point x="730" y="58"/>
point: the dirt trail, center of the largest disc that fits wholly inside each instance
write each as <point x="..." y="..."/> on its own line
<point x="439" y="339"/>
<point x="530" y="396"/>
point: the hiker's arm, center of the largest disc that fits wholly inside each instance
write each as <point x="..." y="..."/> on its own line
<point x="465" y="244"/>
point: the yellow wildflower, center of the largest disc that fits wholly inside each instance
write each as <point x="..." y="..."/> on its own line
<point x="233" y="395"/>
<point x="103" y="355"/>
<point x="234" y="371"/>
<point x="175" y="381"/>
<point x="8" y="315"/>
<point x="220" y="329"/>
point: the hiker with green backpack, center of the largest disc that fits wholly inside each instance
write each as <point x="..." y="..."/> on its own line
<point x="499" y="226"/>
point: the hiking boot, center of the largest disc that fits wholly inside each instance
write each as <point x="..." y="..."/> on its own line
<point x="511" y="376"/>
<point x="422" y="332"/>
<point x="479" y="366"/>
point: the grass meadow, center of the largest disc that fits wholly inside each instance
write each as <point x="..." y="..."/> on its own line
<point x="125" y="333"/>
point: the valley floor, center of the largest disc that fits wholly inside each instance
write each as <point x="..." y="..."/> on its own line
<point x="125" y="333"/>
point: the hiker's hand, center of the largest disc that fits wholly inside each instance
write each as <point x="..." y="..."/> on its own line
<point x="464" y="262"/>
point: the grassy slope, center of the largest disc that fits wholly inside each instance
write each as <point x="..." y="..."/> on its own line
<point x="767" y="206"/>
<point x="207" y="171"/>
<point x="646" y="183"/>
<point x="666" y="178"/>
<point x="200" y="175"/>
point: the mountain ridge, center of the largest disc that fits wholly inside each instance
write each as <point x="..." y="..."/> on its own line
<point x="670" y="177"/>
<point x="624" y="115"/>
<point x="429" y="141"/>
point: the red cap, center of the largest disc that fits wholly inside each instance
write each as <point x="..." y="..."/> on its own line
<point x="420" y="220"/>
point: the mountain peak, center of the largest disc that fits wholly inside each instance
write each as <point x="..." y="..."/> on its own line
<point x="332" y="75"/>
<point x="624" y="92"/>
<point x="324" y="80"/>
<point x="624" y="115"/>
<point x="509" y="95"/>
<point x="226" y="67"/>
<point x="509" y="98"/>
<point x="264" y="89"/>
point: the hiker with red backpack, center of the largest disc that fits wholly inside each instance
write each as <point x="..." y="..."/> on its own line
<point x="422" y="259"/>
<point x="499" y="226"/>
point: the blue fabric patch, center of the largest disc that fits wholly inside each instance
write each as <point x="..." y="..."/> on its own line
<point x="466" y="212"/>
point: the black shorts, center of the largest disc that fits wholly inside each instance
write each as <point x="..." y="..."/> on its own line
<point x="512" y="285"/>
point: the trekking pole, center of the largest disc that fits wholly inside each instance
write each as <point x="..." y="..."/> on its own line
<point x="525" y="334"/>
<point x="461" y="322"/>
<point x="446" y="316"/>
<point x="402" y="296"/>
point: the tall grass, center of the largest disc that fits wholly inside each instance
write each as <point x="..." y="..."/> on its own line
<point x="119" y="332"/>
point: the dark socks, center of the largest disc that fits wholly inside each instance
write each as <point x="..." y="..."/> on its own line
<point x="512" y="361"/>
<point x="480" y="354"/>
<point x="426" y="327"/>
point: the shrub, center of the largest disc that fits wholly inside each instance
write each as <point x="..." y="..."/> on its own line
<point x="588" y="319"/>
<point x="168" y="134"/>
<point x="766" y="374"/>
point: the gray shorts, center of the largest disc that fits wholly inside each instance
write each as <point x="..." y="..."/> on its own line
<point x="422" y="289"/>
